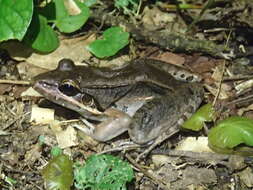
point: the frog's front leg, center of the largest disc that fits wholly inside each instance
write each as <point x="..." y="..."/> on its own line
<point x="116" y="123"/>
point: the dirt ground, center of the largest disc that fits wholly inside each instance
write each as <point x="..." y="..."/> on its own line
<point x="211" y="47"/>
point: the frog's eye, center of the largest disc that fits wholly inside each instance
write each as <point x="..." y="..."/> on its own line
<point x="69" y="88"/>
<point x="89" y="101"/>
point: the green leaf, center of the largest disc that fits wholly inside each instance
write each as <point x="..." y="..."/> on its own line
<point x="56" y="151"/>
<point x="48" y="11"/>
<point x="41" y="139"/>
<point x="129" y="6"/>
<point x="90" y="3"/>
<point x="10" y="181"/>
<point x="40" y="35"/>
<point x="69" y="23"/>
<point x="103" y="172"/>
<point x="15" y="17"/>
<point x="113" y="40"/>
<point x="230" y="133"/>
<point x="196" y="121"/>
<point x="58" y="173"/>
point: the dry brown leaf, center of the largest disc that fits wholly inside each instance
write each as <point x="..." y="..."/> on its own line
<point x="171" y="58"/>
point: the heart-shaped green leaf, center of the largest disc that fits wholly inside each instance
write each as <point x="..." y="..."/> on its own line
<point x="113" y="40"/>
<point x="69" y="23"/>
<point x="196" y="121"/>
<point x="230" y="133"/>
<point x="40" y="35"/>
<point x="15" y="17"/>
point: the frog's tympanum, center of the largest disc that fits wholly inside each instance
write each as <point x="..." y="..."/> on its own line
<point x="142" y="97"/>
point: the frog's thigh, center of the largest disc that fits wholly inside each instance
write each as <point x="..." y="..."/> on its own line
<point x="117" y="123"/>
<point x="153" y="118"/>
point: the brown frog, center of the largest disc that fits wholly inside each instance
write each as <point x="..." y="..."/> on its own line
<point x="140" y="97"/>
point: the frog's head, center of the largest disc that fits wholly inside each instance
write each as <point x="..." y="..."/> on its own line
<point x="62" y="86"/>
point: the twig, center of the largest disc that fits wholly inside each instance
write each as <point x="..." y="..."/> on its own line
<point x="203" y="156"/>
<point x="19" y="82"/>
<point x="223" y="70"/>
<point x="241" y="100"/>
<point x="240" y="77"/>
<point x="14" y="120"/>
<point x="220" y="82"/>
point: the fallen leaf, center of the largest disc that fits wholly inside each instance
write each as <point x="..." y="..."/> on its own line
<point x="194" y="144"/>
<point x="67" y="138"/>
<point x="41" y="115"/>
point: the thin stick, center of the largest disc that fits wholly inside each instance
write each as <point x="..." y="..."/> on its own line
<point x="223" y="70"/>
<point x="19" y="82"/>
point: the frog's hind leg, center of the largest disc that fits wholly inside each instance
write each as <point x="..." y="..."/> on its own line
<point x="154" y="117"/>
<point x="157" y="119"/>
<point x="161" y="117"/>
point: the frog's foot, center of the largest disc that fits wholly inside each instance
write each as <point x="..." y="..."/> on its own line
<point x="123" y="146"/>
<point x="164" y="136"/>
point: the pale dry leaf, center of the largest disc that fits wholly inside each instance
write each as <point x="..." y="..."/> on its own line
<point x="29" y="70"/>
<point x="72" y="7"/>
<point x="217" y="74"/>
<point x="31" y="92"/>
<point x="222" y="95"/>
<point x="241" y="111"/>
<point x="67" y="138"/>
<point x="72" y="48"/>
<point x="41" y="115"/>
<point x="247" y="177"/>
<point x="154" y="18"/>
<point x="194" y="144"/>
<point x="160" y="160"/>
<point x="244" y="85"/>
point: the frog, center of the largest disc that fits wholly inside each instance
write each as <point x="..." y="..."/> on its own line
<point x="145" y="97"/>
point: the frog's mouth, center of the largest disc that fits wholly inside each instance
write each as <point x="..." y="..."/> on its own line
<point x="52" y="92"/>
